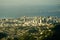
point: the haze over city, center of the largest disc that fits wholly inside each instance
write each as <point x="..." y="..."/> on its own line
<point x="29" y="19"/>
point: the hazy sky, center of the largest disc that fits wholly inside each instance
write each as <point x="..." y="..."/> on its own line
<point x="28" y="7"/>
<point x="29" y="2"/>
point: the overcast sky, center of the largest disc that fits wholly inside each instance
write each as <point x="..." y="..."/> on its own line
<point x="29" y="2"/>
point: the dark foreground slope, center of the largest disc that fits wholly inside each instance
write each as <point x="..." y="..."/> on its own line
<point x="56" y="34"/>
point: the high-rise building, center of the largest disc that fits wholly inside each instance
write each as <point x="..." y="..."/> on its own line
<point x="40" y="20"/>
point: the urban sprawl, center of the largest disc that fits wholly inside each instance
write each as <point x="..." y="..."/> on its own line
<point x="36" y="28"/>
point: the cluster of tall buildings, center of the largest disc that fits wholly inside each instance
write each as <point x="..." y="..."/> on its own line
<point x="29" y="21"/>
